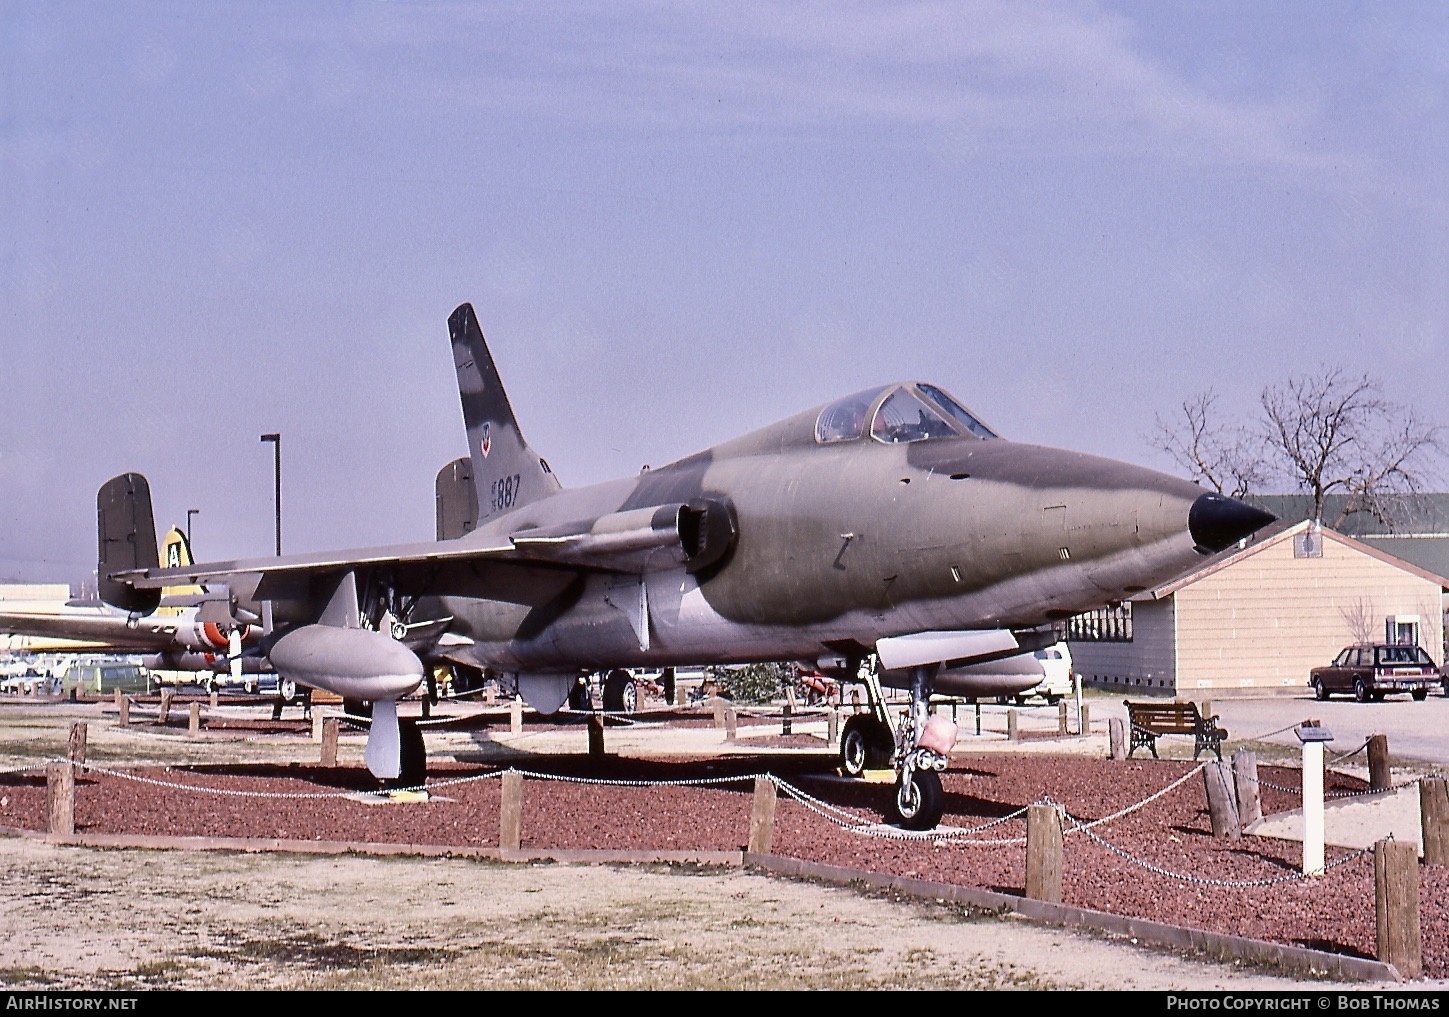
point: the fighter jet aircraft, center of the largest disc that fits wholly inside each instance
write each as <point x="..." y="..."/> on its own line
<point x="174" y="637"/>
<point x="889" y="534"/>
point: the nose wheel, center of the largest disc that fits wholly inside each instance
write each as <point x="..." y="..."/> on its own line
<point x="920" y="800"/>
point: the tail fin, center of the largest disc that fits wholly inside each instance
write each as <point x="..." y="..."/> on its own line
<point x="176" y="552"/>
<point x="175" y="549"/>
<point x="507" y="473"/>
<point x="456" y="499"/>
<point x="127" y="540"/>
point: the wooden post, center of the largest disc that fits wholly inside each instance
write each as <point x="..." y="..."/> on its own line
<point x="785" y="719"/>
<point x="166" y="695"/>
<point x="1044" y="853"/>
<point x="1062" y="728"/>
<point x="596" y="736"/>
<point x="329" y="741"/>
<point x="215" y="699"/>
<point x="123" y="708"/>
<point x="1011" y="733"/>
<point x="60" y="799"/>
<point x="193" y="722"/>
<point x="1245" y="780"/>
<point x="1434" y="819"/>
<point x="669" y="686"/>
<point x="515" y="715"/>
<point x="719" y="711"/>
<point x="729" y="721"/>
<point x="1378" y="760"/>
<point x="832" y="722"/>
<point x="762" y="816"/>
<point x="510" y="815"/>
<point x="1117" y="737"/>
<point x="1222" y="808"/>
<point x="76" y="750"/>
<point x="1396" y="910"/>
<point x="317" y="728"/>
<point x="1084" y="720"/>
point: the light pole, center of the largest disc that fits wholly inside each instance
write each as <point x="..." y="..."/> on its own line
<point x="189" y="514"/>
<point x="276" y="440"/>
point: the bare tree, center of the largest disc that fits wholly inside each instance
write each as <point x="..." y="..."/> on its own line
<point x="1230" y="459"/>
<point x="1334" y="432"/>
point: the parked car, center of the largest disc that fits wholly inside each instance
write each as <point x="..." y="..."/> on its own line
<point x="1374" y="670"/>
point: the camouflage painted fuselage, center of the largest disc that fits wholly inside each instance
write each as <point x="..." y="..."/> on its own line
<point x="839" y="545"/>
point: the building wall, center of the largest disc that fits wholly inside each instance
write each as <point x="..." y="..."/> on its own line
<point x="1147" y="662"/>
<point x="34" y="591"/>
<point x="1264" y="621"/>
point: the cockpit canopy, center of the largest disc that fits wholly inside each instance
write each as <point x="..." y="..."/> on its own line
<point x="904" y="412"/>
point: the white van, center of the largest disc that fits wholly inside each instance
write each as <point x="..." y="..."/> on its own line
<point x="1058" y="681"/>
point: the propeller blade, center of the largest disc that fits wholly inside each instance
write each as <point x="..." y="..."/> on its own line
<point x="383" y="754"/>
<point x="234" y="653"/>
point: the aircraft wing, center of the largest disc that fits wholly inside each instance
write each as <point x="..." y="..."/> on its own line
<point x="529" y="566"/>
<point x="102" y="631"/>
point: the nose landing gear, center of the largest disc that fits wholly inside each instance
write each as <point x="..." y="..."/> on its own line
<point x="918" y="750"/>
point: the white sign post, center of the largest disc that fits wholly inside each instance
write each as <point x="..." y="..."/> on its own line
<point x="1313" y="736"/>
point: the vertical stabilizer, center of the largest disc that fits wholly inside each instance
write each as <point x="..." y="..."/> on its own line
<point x="127" y="540"/>
<point x="507" y="473"/>
<point x="176" y="553"/>
<point x="456" y="499"/>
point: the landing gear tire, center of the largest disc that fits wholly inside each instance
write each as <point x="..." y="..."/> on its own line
<point x="1360" y="691"/>
<point x="287" y="690"/>
<point x="1420" y="695"/>
<point x="920" y="800"/>
<point x="620" y="693"/>
<point x="864" y="745"/>
<point x="413" y="771"/>
<point x="1320" y="691"/>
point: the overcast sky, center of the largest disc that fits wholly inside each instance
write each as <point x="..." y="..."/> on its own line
<point x="677" y="222"/>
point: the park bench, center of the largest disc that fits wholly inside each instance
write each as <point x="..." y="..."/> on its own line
<point x="1149" y="720"/>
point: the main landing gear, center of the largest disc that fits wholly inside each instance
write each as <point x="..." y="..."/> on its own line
<point x="918" y="750"/>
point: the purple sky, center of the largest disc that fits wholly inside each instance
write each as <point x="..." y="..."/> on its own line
<point x="677" y="223"/>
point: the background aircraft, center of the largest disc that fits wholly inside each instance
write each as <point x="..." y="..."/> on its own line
<point x="889" y="534"/>
<point x="173" y="637"/>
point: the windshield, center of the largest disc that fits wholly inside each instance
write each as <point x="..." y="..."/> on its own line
<point x="904" y="417"/>
<point x="962" y="415"/>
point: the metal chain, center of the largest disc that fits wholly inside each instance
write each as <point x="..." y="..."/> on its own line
<point x="24" y="769"/>
<point x="1199" y="880"/>
<point x="951" y="839"/>
<point x="692" y="782"/>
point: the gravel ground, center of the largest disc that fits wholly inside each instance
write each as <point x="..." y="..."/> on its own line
<point x="1159" y="862"/>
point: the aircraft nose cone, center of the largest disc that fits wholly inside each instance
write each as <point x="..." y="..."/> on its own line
<point x="1217" y="521"/>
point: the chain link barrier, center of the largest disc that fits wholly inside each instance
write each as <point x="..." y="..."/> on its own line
<point x="843" y="818"/>
<point x="1077" y="825"/>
